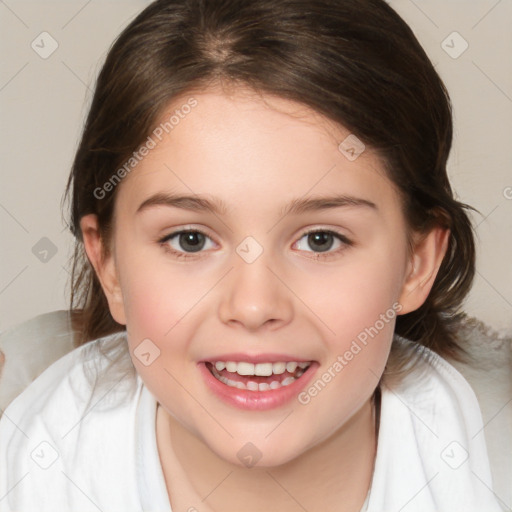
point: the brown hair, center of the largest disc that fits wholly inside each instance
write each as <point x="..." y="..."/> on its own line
<point x="354" y="61"/>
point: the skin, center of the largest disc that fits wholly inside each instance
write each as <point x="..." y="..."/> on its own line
<point x="257" y="153"/>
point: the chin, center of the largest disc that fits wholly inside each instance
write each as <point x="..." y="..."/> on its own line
<point x="260" y="452"/>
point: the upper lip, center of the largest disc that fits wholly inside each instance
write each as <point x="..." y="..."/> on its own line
<point x="255" y="358"/>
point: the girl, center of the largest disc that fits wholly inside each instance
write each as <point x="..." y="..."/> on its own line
<point x="268" y="273"/>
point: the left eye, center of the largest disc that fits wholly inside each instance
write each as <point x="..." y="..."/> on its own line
<point x="323" y="240"/>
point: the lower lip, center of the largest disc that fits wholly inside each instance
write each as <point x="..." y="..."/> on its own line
<point x="257" y="400"/>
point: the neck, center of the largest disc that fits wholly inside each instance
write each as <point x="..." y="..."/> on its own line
<point x="316" y="480"/>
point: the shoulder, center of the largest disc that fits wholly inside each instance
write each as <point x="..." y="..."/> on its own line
<point x="60" y="425"/>
<point x="437" y="392"/>
<point x="71" y="382"/>
<point x="431" y="445"/>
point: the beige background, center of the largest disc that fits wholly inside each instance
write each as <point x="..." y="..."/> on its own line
<point x="43" y="103"/>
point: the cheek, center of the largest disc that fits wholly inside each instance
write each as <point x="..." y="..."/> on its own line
<point x="355" y="296"/>
<point x="361" y="309"/>
<point x="156" y="296"/>
<point x="156" y="300"/>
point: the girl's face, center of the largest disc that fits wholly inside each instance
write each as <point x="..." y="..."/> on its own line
<point x="250" y="179"/>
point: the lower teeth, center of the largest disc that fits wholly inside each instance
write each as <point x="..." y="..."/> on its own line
<point x="254" y="386"/>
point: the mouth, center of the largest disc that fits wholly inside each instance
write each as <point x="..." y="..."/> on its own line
<point x="257" y="386"/>
<point x="257" y="377"/>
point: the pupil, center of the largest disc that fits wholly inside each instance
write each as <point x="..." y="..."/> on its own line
<point x="194" y="241"/>
<point x="320" y="238"/>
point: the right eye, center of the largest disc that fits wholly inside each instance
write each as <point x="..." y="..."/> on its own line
<point x="184" y="242"/>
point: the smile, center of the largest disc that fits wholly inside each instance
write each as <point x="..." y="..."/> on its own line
<point x="257" y="377"/>
<point x="257" y="386"/>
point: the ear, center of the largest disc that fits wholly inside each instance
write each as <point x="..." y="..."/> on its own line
<point x="103" y="266"/>
<point x="422" y="269"/>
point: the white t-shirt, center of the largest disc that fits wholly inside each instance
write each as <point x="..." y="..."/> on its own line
<point x="65" y="446"/>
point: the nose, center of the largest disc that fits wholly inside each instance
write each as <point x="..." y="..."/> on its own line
<point x="254" y="296"/>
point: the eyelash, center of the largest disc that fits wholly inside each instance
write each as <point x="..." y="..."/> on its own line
<point x="319" y="255"/>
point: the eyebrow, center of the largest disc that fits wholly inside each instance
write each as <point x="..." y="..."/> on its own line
<point x="218" y="207"/>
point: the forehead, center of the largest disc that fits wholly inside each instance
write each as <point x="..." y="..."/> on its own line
<point x="241" y="146"/>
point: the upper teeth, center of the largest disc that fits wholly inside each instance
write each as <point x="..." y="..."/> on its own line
<point x="262" y="369"/>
